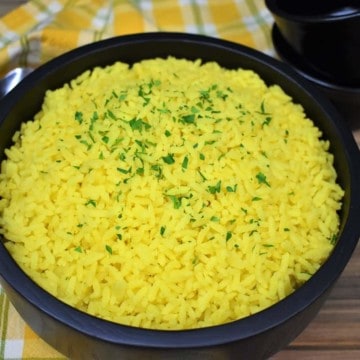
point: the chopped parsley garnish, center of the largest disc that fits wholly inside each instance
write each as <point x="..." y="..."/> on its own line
<point x="79" y="117"/>
<point x="176" y="201"/>
<point x="93" y="119"/>
<point x="158" y="169"/>
<point x="231" y="188"/>
<point x="185" y="162"/>
<point x="105" y="139"/>
<point x="202" y="175"/>
<point x="109" y="249"/>
<point x="267" y="121"/>
<point x="91" y="202"/>
<point x="111" y="115"/>
<point x="124" y="171"/>
<point x="262" y="179"/>
<point x="139" y="125"/>
<point x="167" y="133"/>
<point x="333" y="239"/>
<point x="140" y="171"/>
<point x="228" y="236"/>
<point x="215" y="189"/>
<point x="162" y="230"/>
<point x="169" y="159"/>
<point x="188" y="119"/>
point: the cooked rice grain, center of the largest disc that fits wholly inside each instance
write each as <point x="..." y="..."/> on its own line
<point x="171" y="194"/>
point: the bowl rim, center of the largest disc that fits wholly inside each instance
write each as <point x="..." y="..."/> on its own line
<point x="250" y="326"/>
<point x="275" y="9"/>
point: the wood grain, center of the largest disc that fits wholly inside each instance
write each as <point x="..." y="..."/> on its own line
<point x="335" y="333"/>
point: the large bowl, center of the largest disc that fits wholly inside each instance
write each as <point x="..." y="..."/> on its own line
<point x="81" y="336"/>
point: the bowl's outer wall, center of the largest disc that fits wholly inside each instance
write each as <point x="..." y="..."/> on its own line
<point x="77" y="345"/>
<point x="256" y="337"/>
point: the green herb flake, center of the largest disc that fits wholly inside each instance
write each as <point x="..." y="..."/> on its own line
<point x="140" y="171"/>
<point x="79" y="117"/>
<point x="231" y="189"/>
<point x="202" y="175"/>
<point x="139" y="125"/>
<point x="162" y="230"/>
<point x="176" y="201"/>
<point x="158" y="169"/>
<point x="268" y="245"/>
<point x="78" y="249"/>
<point x="93" y="119"/>
<point x="256" y="198"/>
<point x="169" y="159"/>
<point x="101" y="155"/>
<point x="91" y="202"/>
<point x="105" y="139"/>
<point x="333" y="239"/>
<point x="228" y="236"/>
<point x="188" y="119"/>
<point x="194" y="110"/>
<point x="111" y="115"/>
<point x="195" y="261"/>
<point x="119" y="236"/>
<point x="88" y="146"/>
<point x="202" y="156"/>
<point x="262" y="179"/>
<point x="124" y="171"/>
<point x="214" y="219"/>
<point x="185" y="163"/>
<point x="286" y="229"/>
<point x="109" y="249"/>
<point x="267" y="121"/>
<point x="215" y="188"/>
<point x="167" y="133"/>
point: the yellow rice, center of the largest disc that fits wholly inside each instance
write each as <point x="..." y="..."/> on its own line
<point x="169" y="194"/>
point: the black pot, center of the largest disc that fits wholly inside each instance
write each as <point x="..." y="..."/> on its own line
<point x="324" y="33"/>
<point x="82" y="336"/>
<point x="345" y="98"/>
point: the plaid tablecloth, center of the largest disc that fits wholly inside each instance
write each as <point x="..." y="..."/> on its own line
<point x="42" y="29"/>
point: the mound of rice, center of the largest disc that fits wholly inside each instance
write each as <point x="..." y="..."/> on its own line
<point x="171" y="194"/>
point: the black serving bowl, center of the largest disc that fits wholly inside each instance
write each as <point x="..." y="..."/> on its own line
<point x="81" y="336"/>
<point x="345" y="98"/>
<point x="324" y="33"/>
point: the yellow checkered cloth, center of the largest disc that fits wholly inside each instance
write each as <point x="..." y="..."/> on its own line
<point x="42" y="29"/>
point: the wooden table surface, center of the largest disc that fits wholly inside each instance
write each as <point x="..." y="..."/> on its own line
<point x="335" y="332"/>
